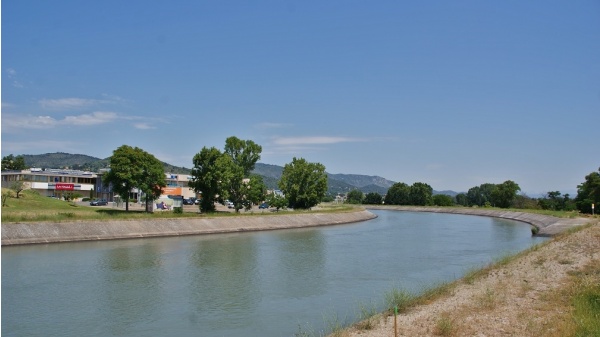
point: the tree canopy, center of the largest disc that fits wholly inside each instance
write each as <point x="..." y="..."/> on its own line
<point x="398" y="194"/>
<point x="420" y="194"/>
<point x="373" y="198"/>
<point x="304" y="184"/>
<point x="206" y="177"/>
<point x="132" y="167"/>
<point x="226" y="175"/>
<point x="11" y="162"/>
<point x="588" y="192"/>
<point x="504" y="194"/>
<point x="355" y="197"/>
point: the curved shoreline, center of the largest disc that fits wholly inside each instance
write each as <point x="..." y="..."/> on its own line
<point x="546" y="224"/>
<point x="50" y="232"/>
<point x="55" y="232"/>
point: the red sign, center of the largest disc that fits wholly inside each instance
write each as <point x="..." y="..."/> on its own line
<point x="64" y="186"/>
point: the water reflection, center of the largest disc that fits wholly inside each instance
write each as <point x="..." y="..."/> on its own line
<point x="130" y="274"/>
<point x="300" y="263"/>
<point x="250" y="284"/>
<point x="223" y="281"/>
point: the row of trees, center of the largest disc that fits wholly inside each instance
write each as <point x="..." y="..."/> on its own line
<point x="502" y="195"/>
<point x="226" y="175"/>
<point x="219" y="176"/>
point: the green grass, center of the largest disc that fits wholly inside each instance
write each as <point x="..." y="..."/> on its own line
<point x="586" y="301"/>
<point x="32" y="207"/>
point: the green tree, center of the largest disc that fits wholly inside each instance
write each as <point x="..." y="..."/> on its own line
<point x="504" y="194"/>
<point x="398" y="194"/>
<point x="132" y="167"/>
<point x="480" y="195"/>
<point x="243" y="156"/>
<point x="150" y="177"/>
<point x="245" y="153"/>
<point x="276" y="200"/>
<point x="206" y="177"/>
<point x="232" y="185"/>
<point x="256" y="189"/>
<point x="443" y="200"/>
<point x="373" y="198"/>
<point x="553" y="200"/>
<point x="355" y="197"/>
<point x="220" y="176"/>
<point x="588" y="193"/>
<point x="420" y="194"/>
<point x="11" y="162"/>
<point x="304" y="184"/>
<point x="461" y="199"/>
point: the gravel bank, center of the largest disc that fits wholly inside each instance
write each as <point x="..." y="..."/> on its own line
<point x="46" y="232"/>
<point x="516" y="299"/>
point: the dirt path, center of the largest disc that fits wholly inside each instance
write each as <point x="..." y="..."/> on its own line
<point x="515" y="299"/>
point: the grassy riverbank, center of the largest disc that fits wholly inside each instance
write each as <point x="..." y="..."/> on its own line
<point x="32" y="207"/>
<point x="551" y="289"/>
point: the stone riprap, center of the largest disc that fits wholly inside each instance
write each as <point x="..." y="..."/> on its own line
<point x="546" y="224"/>
<point x="50" y="232"/>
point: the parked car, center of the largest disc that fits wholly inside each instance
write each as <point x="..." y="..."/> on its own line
<point x="188" y="201"/>
<point x="264" y="205"/>
<point x="98" y="202"/>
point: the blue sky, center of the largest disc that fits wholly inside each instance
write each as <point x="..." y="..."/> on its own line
<point x="450" y="93"/>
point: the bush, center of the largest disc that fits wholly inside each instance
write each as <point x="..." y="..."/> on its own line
<point x="178" y="210"/>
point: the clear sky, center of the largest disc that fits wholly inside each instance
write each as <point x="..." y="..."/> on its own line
<point x="451" y="93"/>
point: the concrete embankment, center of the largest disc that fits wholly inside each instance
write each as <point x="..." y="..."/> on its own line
<point x="546" y="224"/>
<point x="46" y="232"/>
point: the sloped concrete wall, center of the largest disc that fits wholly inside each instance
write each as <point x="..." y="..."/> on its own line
<point x="547" y="225"/>
<point x="47" y="232"/>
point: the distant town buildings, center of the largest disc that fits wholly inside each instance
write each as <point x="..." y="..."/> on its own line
<point x="58" y="182"/>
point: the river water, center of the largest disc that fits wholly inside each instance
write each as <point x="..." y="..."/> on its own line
<point x="275" y="283"/>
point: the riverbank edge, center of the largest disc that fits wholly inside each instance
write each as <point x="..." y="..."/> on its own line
<point x="56" y="232"/>
<point x="49" y="232"/>
<point x="547" y="225"/>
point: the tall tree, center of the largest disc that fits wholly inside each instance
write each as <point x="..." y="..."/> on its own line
<point x="245" y="153"/>
<point x="243" y="156"/>
<point x="233" y="185"/>
<point x="504" y="194"/>
<point x="150" y="177"/>
<point x="304" y="184"/>
<point x="420" y="194"/>
<point x="588" y="193"/>
<point x="11" y="162"/>
<point x="398" y="194"/>
<point x="122" y="174"/>
<point x="132" y="167"/>
<point x="206" y="177"/>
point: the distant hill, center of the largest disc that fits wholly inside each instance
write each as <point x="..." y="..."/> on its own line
<point x="81" y="162"/>
<point x="337" y="183"/>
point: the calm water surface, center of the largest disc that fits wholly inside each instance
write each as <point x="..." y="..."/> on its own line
<point x="248" y="284"/>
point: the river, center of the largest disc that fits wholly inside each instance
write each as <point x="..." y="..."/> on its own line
<point x="276" y="283"/>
